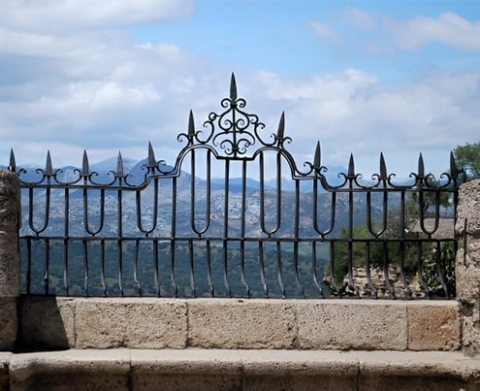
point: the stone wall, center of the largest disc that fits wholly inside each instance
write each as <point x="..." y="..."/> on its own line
<point x="150" y="323"/>
<point x="9" y="258"/>
<point x="468" y="264"/>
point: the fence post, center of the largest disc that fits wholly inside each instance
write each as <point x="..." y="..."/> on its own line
<point x="467" y="268"/>
<point x="9" y="258"/>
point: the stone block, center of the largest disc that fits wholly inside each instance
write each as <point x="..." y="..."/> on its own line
<point x="132" y="323"/>
<point x="351" y="324"/>
<point x="9" y="265"/>
<point x="70" y="370"/>
<point x="192" y="369"/>
<point x="467" y="282"/>
<point x="46" y="323"/>
<point x="433" y="325"/>
<point x="468" y="201"/>
<point x="4" y="363"/>
<point x="8" y="323"/>
<point x="241" y="324"/>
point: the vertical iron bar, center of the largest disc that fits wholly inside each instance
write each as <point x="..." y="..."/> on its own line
<point x="102" y="266"/>
<point x="225" y="228"/>
<point x="46" y="275"/>
<point x="209" y="271"/>
<point x="85" y="266"/>
<point x="119" y="238"/>
<point x="66" y="241"/>
<point x="279" y="268"/>
<point x="242" y="228"/>
<point x="135" y="267"/>
<point x="192" y="270"/>
<point x="173" y="233"/>
<point x="29" y="264"/>
<point x="155" y="266"/>
<point x="296" y="237"/>
<point x="262" y="268"/>
<point x="314" y="269"/>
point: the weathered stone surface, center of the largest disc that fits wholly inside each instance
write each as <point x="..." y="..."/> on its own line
<point x="186" y="369"/>
<point x="468" y="202"/>
<point x="244" y="324"/>
<point x="351" y="324"/>
<point x="4" y="363"/>
<point x="433" y="325"/>
<point x="8" y="323"/>
<point x="70" y="370"/>
<point x="132" y="323"/>
<point x="46" y="323"/>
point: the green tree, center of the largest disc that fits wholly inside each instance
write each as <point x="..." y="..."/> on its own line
<point x="467" y="156"/>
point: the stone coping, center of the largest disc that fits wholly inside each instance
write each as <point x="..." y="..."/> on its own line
<point x="48" y="323"/>
<point x="130" y="369"/>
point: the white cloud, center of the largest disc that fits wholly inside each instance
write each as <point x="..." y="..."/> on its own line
<point x="324" y="32"/>
<point x="449" y="29"/>
<point x="55" y="16"/>
<point x="360" y="19"/>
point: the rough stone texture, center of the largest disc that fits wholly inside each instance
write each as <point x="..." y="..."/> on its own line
<point x="417" y="371"/>
<point x="70" y="370"/>
<point x="205" y="369"/>
<point x="183" y="370"/>
<point x="4" y="362"/>
<point x="8" y="323"/>
<point x="241" y="324"/>
<point x="467" y="268"/>
<point x="9" y="223"/>
<point x="132" y="323"/>
<point x="299" y="370"/>
<point x="9" y="257"/>
<point x="433" y="325"/>
<point x="46" y="323"/>
<point x="351" y="324"/>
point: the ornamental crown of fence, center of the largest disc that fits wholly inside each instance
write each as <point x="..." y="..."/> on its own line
<point x="235" y="134"/>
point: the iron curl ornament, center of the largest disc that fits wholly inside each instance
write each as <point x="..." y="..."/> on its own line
<point x="232" y="132"/>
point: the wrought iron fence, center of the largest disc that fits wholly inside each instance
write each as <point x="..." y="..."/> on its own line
<point x="216" y="223"/>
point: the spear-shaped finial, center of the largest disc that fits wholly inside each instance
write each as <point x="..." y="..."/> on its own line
<point x="453" y="166"/>
<point x="281" y="127"/>
<point x="48" y="165"/>
<point x="151" y="162"/>
<point x="383" y="167"/>
<point x="421" y="166"/>
<point x="233" y="88"/>
<point x="191" y="126"/>
<point x="13" y="165"/>
<point x="85" y="165"/>
<point x="119" y="173"/>
<point x="317" y="157"/>
<point x="351" y="167"/>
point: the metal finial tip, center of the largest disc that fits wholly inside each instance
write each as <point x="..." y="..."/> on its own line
<point x="191" y="124"/>
<point x="233" y="88"/>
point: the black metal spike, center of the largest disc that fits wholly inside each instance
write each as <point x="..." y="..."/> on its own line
<point x="421" y="167"/>
<point x="453" y="166"/>
<point x="151" y="163"/>
<point x="383" y="167"/>
<point x="85" y="165"/>
<point x="351" y="167"/>
<point x="48" y="165"/>
<point x="119" y="173"/>
<point x="281" y="127"/>
<point x="317" y="158"/>
<point x="233" y="88"/>
<point x="12" y="165"/>
<point x="191" y="125"/>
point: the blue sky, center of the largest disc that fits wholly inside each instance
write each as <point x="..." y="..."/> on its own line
<point x="402" y="77"/>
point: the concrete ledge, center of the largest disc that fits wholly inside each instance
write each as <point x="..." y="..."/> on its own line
<point x="205" y="369"/>
<point x="103" y="323"/>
